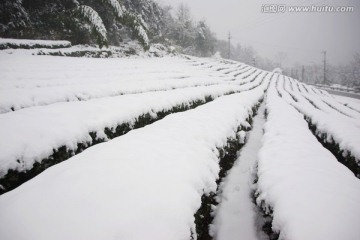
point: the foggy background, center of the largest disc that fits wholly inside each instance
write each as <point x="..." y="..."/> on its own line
<point x="302" y="36"/>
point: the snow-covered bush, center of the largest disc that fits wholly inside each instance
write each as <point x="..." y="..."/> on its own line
<point x="6" y="43"/>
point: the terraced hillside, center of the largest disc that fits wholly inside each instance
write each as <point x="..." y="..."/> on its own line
<point x="172" y="148"/>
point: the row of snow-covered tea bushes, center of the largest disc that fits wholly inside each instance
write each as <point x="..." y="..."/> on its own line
<point x="91" y="122"/>
<point x="64" y="80"/>
<point x="55" y="148"/>
<point x="344" y="155"/>
<point x="301" y="188"/>
<point x="335" y="125"/>
<point x="14" y="178"/>
<point x="174" y="169"/>
<point x="6" y="43"/>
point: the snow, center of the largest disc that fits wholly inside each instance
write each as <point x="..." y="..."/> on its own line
<point x="27" y="43"/>
<point x="27" y="81"/>
<point x="352" y="103"/>
<point x="236" y="214"/>
<point x="25" y="142"/>
<point x="91" y="95"/>
<point x="146" y="184"/>
<point x="346" y="100"/>
<point x="131" y="49"/>
<point x="338" y="87"/>
<point x="312" y="195"/>
<point x="217" y="55"/>
<point x="337" y="124"/>
<point x="277" y="70"/>
<point x="327" y="104"/>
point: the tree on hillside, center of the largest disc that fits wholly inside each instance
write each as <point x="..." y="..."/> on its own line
<point x="205" y="40"/>
<point x="13" y="17"/>
<point x="184" y="26"/>
<point x="75" y="20"/>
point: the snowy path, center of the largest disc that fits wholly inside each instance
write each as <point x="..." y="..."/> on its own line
<point x="236" y="214"/>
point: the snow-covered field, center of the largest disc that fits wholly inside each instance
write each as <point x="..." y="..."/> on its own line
<point x="172" y="148"/>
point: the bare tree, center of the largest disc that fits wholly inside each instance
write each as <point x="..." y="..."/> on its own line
<point x="185" y="25"/>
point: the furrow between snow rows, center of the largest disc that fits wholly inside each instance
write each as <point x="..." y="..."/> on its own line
<point x="204" y="217"/>
<point x="237" y="214"/>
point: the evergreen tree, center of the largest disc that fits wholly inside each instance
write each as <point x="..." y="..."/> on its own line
<point x="96" y="22"/>
<point x="80" y="21"/>
<point x="13" y="18"/>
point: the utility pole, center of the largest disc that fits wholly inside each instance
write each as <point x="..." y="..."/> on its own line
<point x="254" y="61"/>
<point x="324" y="52"/>
<point x="229" y="50"/>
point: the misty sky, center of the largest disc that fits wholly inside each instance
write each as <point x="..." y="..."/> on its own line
<point x="302" y="35"/>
